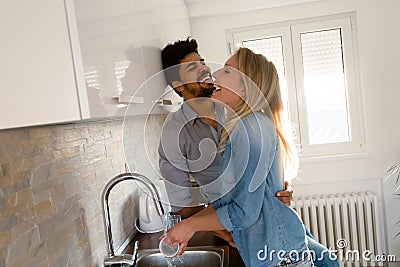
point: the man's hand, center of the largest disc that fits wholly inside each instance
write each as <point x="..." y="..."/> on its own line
<point x="287" y="195"/>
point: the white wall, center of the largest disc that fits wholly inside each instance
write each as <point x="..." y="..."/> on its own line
<point x="379" y="60"/>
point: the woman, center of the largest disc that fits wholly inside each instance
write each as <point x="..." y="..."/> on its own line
<point x="255" y="151"/>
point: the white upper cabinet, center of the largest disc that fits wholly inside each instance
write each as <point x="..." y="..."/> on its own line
<point x="117" y="52"/>
<point x="37" y="79"/>
<point x="67" y="60"/>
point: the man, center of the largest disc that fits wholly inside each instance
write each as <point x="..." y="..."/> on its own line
<point x="190" y="136"/>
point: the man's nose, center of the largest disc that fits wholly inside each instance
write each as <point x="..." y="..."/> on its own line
<point x="204" y="67"/>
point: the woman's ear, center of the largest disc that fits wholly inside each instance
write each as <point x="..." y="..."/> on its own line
<point x="178" y="86"/>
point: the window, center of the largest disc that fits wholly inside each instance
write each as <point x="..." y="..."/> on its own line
<point x="316" y="63"/>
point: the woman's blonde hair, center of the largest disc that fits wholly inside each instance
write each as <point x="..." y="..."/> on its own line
<point x="263" y="94"/>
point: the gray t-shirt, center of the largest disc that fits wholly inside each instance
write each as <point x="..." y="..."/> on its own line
<point x="188" y="148"/>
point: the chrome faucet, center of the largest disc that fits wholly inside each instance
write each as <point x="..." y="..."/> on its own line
<point x="124" y="259"/>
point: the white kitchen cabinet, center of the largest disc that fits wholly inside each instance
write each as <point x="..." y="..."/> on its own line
<point x="119" y="52"/>
<point x="66" y="60"/>
<point x="37" y="78"/>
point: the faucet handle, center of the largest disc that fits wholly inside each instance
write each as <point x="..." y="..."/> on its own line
<point x="135" y="252"/>
<point x="126" y="259"/>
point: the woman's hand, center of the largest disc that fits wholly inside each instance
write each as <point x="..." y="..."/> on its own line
<point x="180" y="234"/>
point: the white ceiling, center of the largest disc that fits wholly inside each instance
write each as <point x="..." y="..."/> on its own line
<point x="204" y="8"/>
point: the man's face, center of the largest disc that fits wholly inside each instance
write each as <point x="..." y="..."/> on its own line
<point x="195" y="77"/>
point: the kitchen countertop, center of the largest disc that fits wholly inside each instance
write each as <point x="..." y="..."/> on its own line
<point x="151" y="241"/>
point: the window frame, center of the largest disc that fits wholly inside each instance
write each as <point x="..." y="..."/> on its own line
<point x="290" y="31"/>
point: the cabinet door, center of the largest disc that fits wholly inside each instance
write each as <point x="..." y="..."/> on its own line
<point x="37" y="79"/>
<point x="117" y="52"/>
<point x="117" y="47"/>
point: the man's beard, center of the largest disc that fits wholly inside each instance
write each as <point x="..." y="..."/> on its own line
<point x="199" y="90"/>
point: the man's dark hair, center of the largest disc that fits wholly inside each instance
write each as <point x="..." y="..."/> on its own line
<point x="172" y="54"/>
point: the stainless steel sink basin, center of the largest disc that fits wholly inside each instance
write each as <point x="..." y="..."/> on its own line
<point x="193" y="257"/>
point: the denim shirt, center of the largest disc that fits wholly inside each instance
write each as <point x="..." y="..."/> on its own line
<point x="251" y="174"/>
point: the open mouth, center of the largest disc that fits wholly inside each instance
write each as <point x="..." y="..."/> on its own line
<point x="217" y="90"/>
<point x="206" y="78"/>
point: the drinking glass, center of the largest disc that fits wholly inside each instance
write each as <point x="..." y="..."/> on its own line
<point x="169" y="221"/>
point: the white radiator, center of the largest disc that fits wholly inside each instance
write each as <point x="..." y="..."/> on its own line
<point x="348" y="223"/>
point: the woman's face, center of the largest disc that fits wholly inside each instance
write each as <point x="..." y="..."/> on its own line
<point x="229" y="85"/>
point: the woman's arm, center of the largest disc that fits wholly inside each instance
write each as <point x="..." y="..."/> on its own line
<point x="204" y="220"/>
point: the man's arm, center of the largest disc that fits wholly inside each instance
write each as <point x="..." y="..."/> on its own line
<point x="287" y="195"/>
<point x="177" y="184"/>
<point x="174" y="169"/>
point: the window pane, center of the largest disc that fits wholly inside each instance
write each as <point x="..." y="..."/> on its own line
<point x="271" y="48"/>
<point x="325" y="87"/>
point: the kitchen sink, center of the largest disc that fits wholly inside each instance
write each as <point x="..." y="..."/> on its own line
<point x="216" y="256"/>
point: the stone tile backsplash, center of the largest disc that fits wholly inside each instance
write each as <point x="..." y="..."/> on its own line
<point x="51" y="180"/>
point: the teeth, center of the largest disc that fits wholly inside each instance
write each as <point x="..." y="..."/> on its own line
<point x="217" y="88"/>
<point x="208" y="76"/>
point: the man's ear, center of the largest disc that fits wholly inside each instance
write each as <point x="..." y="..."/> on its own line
<point x="178" y="86"/>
